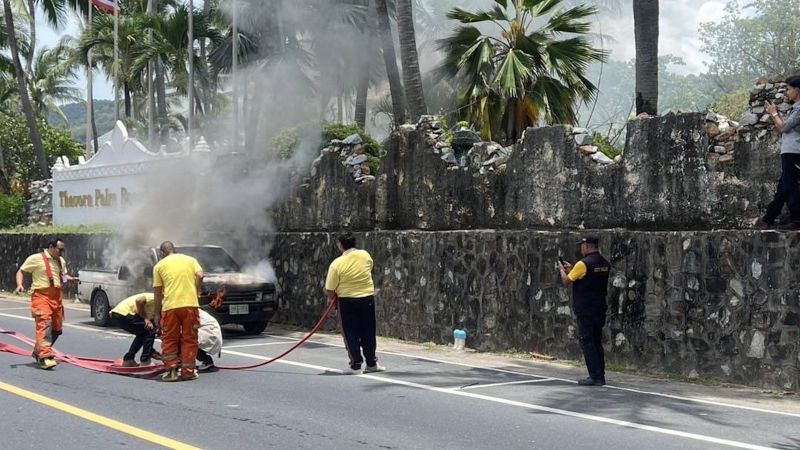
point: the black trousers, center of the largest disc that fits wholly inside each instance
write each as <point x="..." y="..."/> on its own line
<point x="787" y="192"/>
<point x="590" y="336"/>
<point x="204" y="357"/>
<point x="357" y="318"/>
<point x="143" y="339"/>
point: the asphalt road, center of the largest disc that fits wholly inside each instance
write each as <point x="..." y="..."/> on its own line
<point x="427" y="399"/>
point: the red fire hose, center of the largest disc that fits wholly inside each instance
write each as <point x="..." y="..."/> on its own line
<point x="319" y="324"/>
<point x="112" y="366"/>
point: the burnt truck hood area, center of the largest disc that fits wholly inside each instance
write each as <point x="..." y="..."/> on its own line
<point x="237" y="281"/>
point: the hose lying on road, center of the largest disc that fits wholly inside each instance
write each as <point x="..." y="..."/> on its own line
<point x="112" y="366"/>
<point x="319" y="324"/>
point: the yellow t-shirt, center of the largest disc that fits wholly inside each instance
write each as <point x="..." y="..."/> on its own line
<point x="350" y="275"/>
<point x="127" y="307"/>
<point x="578" y="271"/>
<point x="34" y="265"/>
<point x="176" y="274"/>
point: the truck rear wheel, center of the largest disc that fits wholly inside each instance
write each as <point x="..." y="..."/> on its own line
<point x="100" y="308"/>
<point x="255" y="327"/>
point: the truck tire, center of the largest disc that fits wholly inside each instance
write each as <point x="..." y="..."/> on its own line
<point x="100" y="308"/>
<point x="255" y="327"/>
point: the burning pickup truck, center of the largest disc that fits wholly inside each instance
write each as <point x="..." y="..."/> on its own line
<point x="227" y="294"/>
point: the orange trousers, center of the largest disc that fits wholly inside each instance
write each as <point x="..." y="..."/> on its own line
<point x="179" y="339"/>
<point x="48" y="314"/>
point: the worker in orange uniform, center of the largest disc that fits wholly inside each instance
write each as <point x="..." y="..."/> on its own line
<point x="176" y="284"/>
<point x="48" y="271"/>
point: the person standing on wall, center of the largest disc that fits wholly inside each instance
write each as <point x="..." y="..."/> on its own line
<point x="589" y="279"/>
<point x="48" y="271"/>
<point x="176" y="283"/>
<point x="350" y="279"/>
<point x="788" y="191"/>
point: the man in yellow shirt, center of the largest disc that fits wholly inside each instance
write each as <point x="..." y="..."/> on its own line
<point x="48" y="271"/>
<point x="136" y="315"/>
<point x="350" y="279"/>
<point x="176" y="283"/>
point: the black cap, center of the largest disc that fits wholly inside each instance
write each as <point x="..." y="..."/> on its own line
<point x="593" y="240"/>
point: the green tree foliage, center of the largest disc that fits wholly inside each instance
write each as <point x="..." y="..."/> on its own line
<point x="615" y="103"/>
<point x="11" y="208"/>
<point x="19" y="163"/>
<point x="75" y="114"/>
<point x="753" y="39"/>
<point x="529" y="69"/>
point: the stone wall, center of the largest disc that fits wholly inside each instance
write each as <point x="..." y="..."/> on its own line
<point x="714" y="304"/>
<point x="669" y="177"/>
<point x="722" y="305"/>
<point x="83" y="250"/>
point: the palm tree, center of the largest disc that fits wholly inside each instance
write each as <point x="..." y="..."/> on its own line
<point x="645" y="26"/>
<point x="30" y="117"/>
<point x="51" y="80"/>
<point x="390" y="60"/>
<point x="522" y="74"/>
<point x="412" y="79"/>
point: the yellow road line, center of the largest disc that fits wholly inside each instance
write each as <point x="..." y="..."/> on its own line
<point x="92" y="417"/>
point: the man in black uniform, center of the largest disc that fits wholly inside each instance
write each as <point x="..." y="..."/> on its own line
<point x="589" y="279"/>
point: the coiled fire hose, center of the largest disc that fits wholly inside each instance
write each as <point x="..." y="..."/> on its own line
<point x="111" y="366"/>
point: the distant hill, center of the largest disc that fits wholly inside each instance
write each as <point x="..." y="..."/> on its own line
<point x="76" y="115"/>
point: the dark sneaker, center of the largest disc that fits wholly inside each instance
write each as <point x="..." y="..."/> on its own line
<point x="760" y="224"/>
<point x="588" y="381"/>
<point x="155" y="355"/>
<point x="129" y="363"/>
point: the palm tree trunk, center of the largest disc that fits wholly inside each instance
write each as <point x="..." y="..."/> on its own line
<point x="161" y="100"/>
<point x="339" y="108"/>
<point x="511" y="117"/>
<point x="33" y="127"/>
<point x="32" y="25"/>
<point x="645" y="25"/>
<point x="412" y="79"/>
<point x="94" y="131"/>
<point x="390" y="59"/>
<point x="127" y="93"/>
<point x="361" y="99"/>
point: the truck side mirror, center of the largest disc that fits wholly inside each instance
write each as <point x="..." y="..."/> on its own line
<point x="124" y="273"/>
<point x="148" y="272"/>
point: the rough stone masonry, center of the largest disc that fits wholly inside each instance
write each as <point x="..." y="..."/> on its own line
<point x="460" y="244"/>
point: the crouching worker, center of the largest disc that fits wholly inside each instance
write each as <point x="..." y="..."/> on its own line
<point x="136" y="315"/>
<point x="209" y="342"/>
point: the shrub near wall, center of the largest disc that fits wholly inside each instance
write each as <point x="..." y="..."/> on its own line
<point x="11" y="209"/>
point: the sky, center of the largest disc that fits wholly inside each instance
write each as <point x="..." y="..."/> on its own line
<point x="679" y="21"/>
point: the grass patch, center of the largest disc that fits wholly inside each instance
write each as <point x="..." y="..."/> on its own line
<point x="60" y="229"/>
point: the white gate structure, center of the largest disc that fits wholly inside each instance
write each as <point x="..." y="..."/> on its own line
<point x="102" y="189"/>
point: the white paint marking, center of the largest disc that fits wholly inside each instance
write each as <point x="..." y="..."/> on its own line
<point x="637" y="391"/>
<point x="257" y="345"/>
<point x="479" y="386"/>
<point x="18" y="307"/>
<point x="531" y="406"/>
<point x="425" y="358"/>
